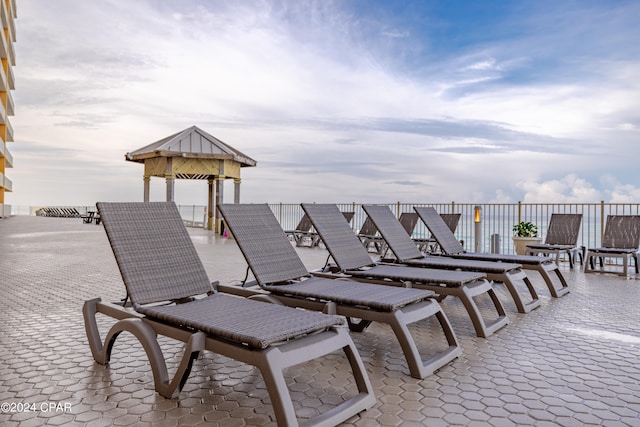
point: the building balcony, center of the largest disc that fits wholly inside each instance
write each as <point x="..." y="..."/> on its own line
<point x="6" y="154"/>
<point x="9" y="131"/>
<point x="10" y="104"/>
<point x="11" y="81"/>
<point x="7" y="183"/>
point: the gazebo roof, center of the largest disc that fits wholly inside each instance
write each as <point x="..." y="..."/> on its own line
<point x="191" y="143"/>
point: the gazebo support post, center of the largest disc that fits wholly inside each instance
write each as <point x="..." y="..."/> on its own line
<point x="236" y="191"/>
<point x="147" y="181"/>
<point x="170" y="187"/>
<point x="210" y="208"/>
<point x="219" y="200"/>
<point x="170" y="178"/>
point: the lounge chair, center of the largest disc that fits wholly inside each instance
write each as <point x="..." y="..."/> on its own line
<point x="278" y="270"/>
<point x="408" y="220"/>
<point x="304" y="231"/>
<point x="406" y="252"/>
<point x="452" y="248"/>
<point x="353" y="260"/>
<point x="370" y="238"/>
<point x="562" y="237"/>
<point x="621" y="239"/>
<point x="91" y="216"/>
<point x="430" y="244"/>
<point x="159" y="264"/>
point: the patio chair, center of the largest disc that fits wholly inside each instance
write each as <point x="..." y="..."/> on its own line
<point x="405" y="252"/>
<point x="621" y="239"/>
<point x="302" y="231"/>
<point x="562" y="237"/>
<point x="370" y="238"/>
<point x="430" y="244"/>
<point x="278" y="270"/>
<point x="408" y="220"/>
<point x="171" y="296"/>
<point x="352" y="259"/>
<point x="452" y="248"/>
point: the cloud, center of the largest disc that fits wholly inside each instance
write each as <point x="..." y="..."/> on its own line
<point x="569" y="189"/>
<point x="334" y="100"/>
<point x="408" y="183"/>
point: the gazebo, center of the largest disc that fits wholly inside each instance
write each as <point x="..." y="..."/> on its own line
<point x="193" y="154"/>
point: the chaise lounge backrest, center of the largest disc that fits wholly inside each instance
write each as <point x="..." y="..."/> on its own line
<point x="452" y="220"/>
<point x="440" y="230"/>
<point x="368" y="228"/>
<point x="622" y="232"/>
<point x="345" y="247"/>
<point x="563" y="229"/>
<point x="408" y="220"/>
<point x="256" y="228"/>
<point x="393" y="232"/>
<point x="170" y="268"/>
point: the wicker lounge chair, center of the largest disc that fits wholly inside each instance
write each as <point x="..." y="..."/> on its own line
<point x="304" y="231"/>
<point x="621" y="239"/>
<point x="279" y="271"/>
<point x="159" y="264"/>
<point x="452" y="248"/>
<point x="408" y="220"/>
<point x="370" y="238"/>
<point x="562" y="237"/>
<point x="353" y="260"/>
<point x="430" y="244"/>
<point x="405" y="252"/>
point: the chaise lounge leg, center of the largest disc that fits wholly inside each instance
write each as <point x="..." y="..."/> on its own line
<point x="399" y="319"/>
<point x="544" y="270"/>
<point x="273" y="362"/>
<point x="147" y="336"/>
<point x="508" y="282"/>
<point x="466" y="295"/>
<point x="419" y="368"/>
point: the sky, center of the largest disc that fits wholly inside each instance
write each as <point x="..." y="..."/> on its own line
<point x="338" y="101"/>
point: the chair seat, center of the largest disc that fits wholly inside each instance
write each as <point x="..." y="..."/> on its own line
<point x="464" y="264"/>
<point x="254" y="323"/>
<point x="552" y="247"/>
<point x="520" y="259"/>
<point x="613" y="250"/>
<point x="382" y="298"/>
<point x="424" y="275"/>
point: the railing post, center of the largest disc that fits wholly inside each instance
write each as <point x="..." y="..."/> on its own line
<point x="398" y="210"/>
<point x="453" y="207"/>
<point x="353" y="222"/>
<point x="519" y="212"/>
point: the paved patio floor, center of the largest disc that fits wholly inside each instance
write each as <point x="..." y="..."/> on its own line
<point x="574" y="361"/>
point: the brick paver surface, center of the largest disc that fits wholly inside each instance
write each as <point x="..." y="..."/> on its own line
<point x="572" y="362"/>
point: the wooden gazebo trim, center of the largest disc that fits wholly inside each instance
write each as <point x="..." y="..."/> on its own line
<point x="207" y="158"/>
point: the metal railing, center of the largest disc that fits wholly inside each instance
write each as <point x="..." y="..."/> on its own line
<point x="496" y="219"/>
